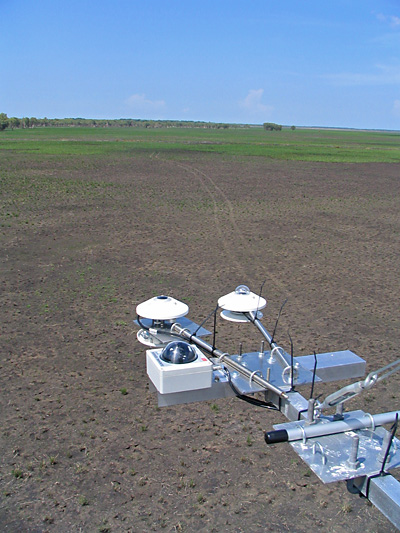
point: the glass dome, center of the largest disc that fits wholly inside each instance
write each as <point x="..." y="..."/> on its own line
<point x="178" y="352"/>
<point x="242" y="289"/>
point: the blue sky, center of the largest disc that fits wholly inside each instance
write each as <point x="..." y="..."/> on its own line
<point x="300" y="62"/>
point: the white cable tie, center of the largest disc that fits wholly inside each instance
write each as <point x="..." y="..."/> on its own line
<point x="321" y="449"/>
<point x="276" y="348"/>
<point x="183" y="331"/>
<point x="252" y="375"/>
<point x="303" y="431"/>
<point x="372" y="421"/>
<point x="175" y="326"/>
<point x="284" y="372"/>
<point x="222" y="357"/>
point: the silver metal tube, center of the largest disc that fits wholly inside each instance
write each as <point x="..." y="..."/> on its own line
<point x="226" y="359"/>
<point x="254" y="377"/>
<point x="384" y="493"/>
<point x="281" y="357"/>
<point x="340" y="426"/>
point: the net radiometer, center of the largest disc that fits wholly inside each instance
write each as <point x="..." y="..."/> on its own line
<point x="341" y="446"/>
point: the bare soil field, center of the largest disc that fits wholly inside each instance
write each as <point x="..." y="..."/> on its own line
<point x="84" y="447"/>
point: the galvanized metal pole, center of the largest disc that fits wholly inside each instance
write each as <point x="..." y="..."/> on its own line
<point x="227" y="360"/>
<point x="282" y="358"/>
<point x="330" y="428"/>
<point x="382" y="491"/>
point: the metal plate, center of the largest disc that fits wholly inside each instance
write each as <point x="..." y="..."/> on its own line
<point x="333" y="366"/>
<point x="184" y="322"/>
<point x="260" y="362"/>
<point x="328" y="456"/>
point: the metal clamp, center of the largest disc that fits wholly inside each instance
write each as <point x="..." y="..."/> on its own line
<point x="321" y="448"/>
<point x="253" y="374"/>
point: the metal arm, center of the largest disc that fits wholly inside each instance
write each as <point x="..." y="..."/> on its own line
<point x="226" y="359"/>
<point x="282" y="358"/>
<point x="348" y="392"/>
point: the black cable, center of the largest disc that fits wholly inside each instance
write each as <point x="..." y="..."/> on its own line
<point x="215" y="329"/>
<point x="382" y="473"/>
<point x="291" y="364"/>
<point x="314" y="374"/>
<point x="248" y="315"/>
<point x="393" y="430"/>
<point x="214" y="312"/>
<point x="248" y="399"/>
<point x="259" y="296"/>
<point x="277" y="320"/>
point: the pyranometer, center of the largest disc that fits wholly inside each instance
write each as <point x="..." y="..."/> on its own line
<point x="162" y="308"/>
<point x="156" y="317"/>
<point x="241" y="301"/>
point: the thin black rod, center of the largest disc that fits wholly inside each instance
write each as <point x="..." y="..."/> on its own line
<point x="215" y="327"/>
<point x="277" y="321"/>
<point x="392" y="433"/>
<point x="314" y="374"/>
<point x="291" y="364"/>
<point x="205" y="320"/>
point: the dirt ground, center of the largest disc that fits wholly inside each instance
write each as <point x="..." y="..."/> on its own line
<point x="84" y="447"/>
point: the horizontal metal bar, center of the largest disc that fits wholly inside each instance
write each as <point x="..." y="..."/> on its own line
<point x="294" y="407"/>
<point x="282" y="357"/>
<point x="226" y="359"/>
<point x="384" y="493"/>
<point x="351" y="422"/>
<point x="334" y="366"/>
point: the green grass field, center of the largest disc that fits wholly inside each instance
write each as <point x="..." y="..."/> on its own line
<point x="297" y="145"/>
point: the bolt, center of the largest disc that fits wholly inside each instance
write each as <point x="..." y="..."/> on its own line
<point x="339" y="412"/>
<point x="310" y="411"/>
<point x="262" y="349"/>
<point x="352" y="461"/>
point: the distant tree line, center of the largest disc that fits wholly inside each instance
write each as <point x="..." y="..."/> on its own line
<point x="271" y="126"/>
<point x="33" y="122"/>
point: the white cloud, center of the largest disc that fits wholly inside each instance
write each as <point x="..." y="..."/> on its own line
<point x="396" y="108"/>
<point x="392" y="20"/>
<point x="139" y="102"/>
<point x="395" y="21"/>
<point x="252" y="103"/>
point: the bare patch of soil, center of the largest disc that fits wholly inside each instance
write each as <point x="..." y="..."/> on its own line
<point x="84" y="446"/>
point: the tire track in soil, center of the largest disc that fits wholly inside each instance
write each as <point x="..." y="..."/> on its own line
<point x="213" y="192"/>
<point x="230" y="247"/>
